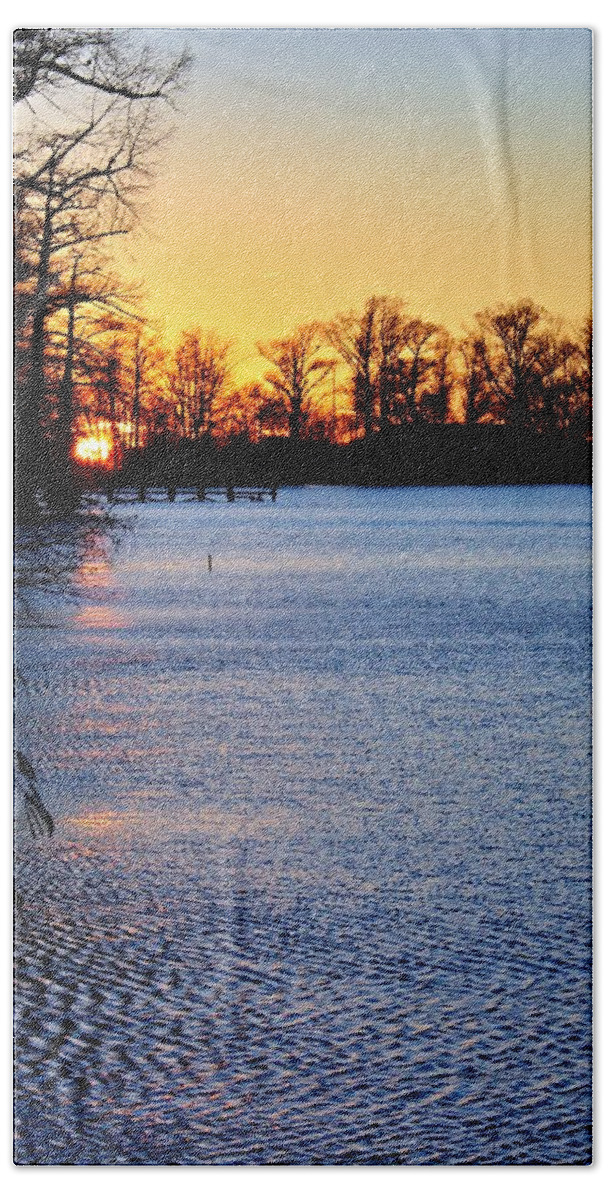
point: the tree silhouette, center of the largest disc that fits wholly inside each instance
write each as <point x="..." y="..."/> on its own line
<point x="474" y="378"/>
<point x="417" y="360"/>
<point x="299" y="367"/>
<point x="198" y="378"/>
<point x="354" y="337"/>
<point x="524" y="370"/>
<point x="512" y="359"/>
<point x="76" y="186"/>
<point x="96" y="59"/>
<point x="392" y="357"/>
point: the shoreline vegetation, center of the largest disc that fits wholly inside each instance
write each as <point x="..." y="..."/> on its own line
<point x="436" y="456"/>
<point x="448" y="455"/>
<point x="532" y="430"/>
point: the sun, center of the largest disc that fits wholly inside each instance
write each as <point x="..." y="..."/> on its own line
<point x="93" y="450"/>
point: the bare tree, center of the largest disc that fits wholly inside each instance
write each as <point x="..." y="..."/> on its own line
<point x="512" y="357"/>
<point x="271" y="417"/>
<point x="237" y="414"/>
<point x="354" y="337"/>
<point x="76" y="185"/>
<point x="390" y="334"/>
<point x="435" y="401"/>
<point x="391" y="356"/>
<point x="474" y="379"/>
<point x="580" y="411"/>
<point x="147" y="392"/>
<point x="198" y="378"/>
<point x="96" y="59"/>
<point x="524" y="368"/>
<point x="416" y="361"/>
<point x="298" y="368"/>
<point x="565" y="369"/>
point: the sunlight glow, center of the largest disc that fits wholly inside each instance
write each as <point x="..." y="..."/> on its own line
<point x="94" y="450"/>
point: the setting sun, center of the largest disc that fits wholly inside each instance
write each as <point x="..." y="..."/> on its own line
<point x="94" y="450"/>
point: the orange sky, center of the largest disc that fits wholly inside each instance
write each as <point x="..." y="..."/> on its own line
<point x="309" y="169"/>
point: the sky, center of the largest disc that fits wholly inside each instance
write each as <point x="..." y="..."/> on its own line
<point x="308" y="169"/>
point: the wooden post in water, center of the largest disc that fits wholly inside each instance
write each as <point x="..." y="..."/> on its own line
<point x="230" y="493"/>
<point x="141" y="493"/>
<point x="209" y="563"/>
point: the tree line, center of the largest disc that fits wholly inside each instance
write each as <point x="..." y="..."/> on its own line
<point x="87" y="361"/>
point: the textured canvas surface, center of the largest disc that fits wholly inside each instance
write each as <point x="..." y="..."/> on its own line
<point x="302" y="644"/>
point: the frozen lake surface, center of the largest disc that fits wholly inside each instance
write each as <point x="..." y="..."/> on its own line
<point x="319" y="890"/>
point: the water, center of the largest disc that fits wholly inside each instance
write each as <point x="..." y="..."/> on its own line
<point x="319" y="890"/>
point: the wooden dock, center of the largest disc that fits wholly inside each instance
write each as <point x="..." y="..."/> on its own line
<point x="125" y="493"/>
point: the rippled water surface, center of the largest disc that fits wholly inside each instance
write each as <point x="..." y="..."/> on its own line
<point x="319" y="885"/>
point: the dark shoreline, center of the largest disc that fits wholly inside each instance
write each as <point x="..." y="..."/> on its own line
<point x="440" y="455"/>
